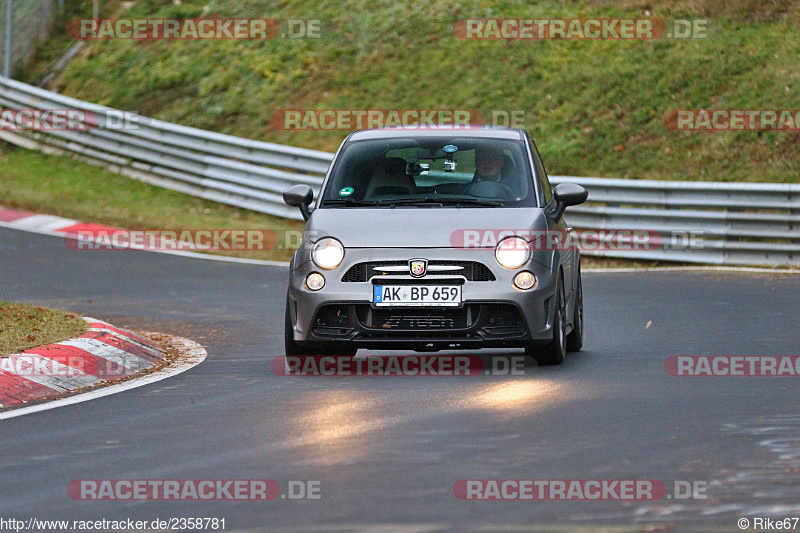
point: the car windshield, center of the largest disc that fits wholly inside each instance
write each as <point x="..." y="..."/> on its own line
<point x="431" y="172"/>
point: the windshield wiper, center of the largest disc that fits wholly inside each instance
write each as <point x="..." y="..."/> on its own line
<point x="440" y="201"/>
<point x="427" y="200"/>
<point x="472" y="201"/>
<point x="349" y="201"/>
<point x="411" y="201"/>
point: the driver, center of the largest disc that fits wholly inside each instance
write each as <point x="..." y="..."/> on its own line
<point x="490" y="164"/>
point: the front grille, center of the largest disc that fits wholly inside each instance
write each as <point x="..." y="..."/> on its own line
<point x="471" y="270"/>
<point x="418" y="319"/>
<point x="493" y="320"/>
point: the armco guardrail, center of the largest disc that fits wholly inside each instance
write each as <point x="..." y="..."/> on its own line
<point x="214" y="166"/>
<point x="727" y="223"/>
<point x="742" y="223"/>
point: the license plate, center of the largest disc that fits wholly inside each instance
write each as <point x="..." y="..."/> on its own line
<point x="416" y="295"/>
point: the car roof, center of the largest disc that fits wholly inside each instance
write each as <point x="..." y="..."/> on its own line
<point x="478" y="131"/>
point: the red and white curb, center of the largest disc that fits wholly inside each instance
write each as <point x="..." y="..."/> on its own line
<point x="103" y="355"/>
<point x="67" y="228"/>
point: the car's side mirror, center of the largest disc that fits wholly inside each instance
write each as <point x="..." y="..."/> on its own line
<point x="299" y="196"/>
<point x="568" y="194"/>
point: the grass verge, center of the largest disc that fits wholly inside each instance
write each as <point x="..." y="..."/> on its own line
<point x="74" y="189"/>
<point x="25" y="326"/>
<point x="596" y="107"/>
<point x="47" y="55"/>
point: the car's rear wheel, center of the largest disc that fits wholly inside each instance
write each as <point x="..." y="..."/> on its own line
<point x="328" y="348"/>
<point x="554" y="352"/>
<point x="575" y="338"/>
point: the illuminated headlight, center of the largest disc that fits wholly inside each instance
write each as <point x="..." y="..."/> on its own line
<point x="327" y="253"/>
<point x="315" y="281"/>
<point x="512" y="252"/>
<point x="525" y="280"/>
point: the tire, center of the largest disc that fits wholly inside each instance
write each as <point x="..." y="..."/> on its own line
<point x="554" y="352"/>
<point x="329" y="348"/>
<point x="575" y="338"/>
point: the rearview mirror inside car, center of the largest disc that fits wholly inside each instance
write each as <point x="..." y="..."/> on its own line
<point x="413" y="168"/>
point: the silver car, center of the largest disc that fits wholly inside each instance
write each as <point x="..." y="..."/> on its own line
<point x="434" y="239"/>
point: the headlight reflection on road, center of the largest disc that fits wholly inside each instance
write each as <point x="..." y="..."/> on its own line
<point x="517" y="395"/>
<point x="335" y="425"/>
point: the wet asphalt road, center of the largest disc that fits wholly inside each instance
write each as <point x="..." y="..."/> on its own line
<point x="388" y="450"/>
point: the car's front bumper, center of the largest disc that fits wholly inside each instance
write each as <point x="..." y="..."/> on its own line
<point x="493" y="313"/>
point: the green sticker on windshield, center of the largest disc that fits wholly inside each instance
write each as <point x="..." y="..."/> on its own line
<point x="347" y="191"/>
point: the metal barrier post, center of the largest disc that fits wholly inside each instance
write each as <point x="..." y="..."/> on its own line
<point x="7" y="10"/>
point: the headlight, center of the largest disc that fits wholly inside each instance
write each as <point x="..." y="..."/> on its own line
<point x="512" y="252"/>
<point x="327" y="253"/>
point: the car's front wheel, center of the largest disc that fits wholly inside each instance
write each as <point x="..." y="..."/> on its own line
<point x="575" y="338"/>
<point x="554" y="352"/>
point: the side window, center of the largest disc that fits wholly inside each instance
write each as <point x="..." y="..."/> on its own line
<point x="542" y="173"/>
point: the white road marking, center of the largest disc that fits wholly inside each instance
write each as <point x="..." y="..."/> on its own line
<point x="192" y="354"/>
<point x="47" y="372"/>
<point x="44" y="223"/>
<point x="109" y="353"/>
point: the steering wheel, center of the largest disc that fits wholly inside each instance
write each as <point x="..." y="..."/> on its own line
<point x="490" y="189"/>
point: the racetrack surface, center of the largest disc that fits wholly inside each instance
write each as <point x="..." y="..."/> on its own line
<point x="388" y="450"/>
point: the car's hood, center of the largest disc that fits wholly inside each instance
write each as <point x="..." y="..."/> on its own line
<point x="424" y="227"/>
